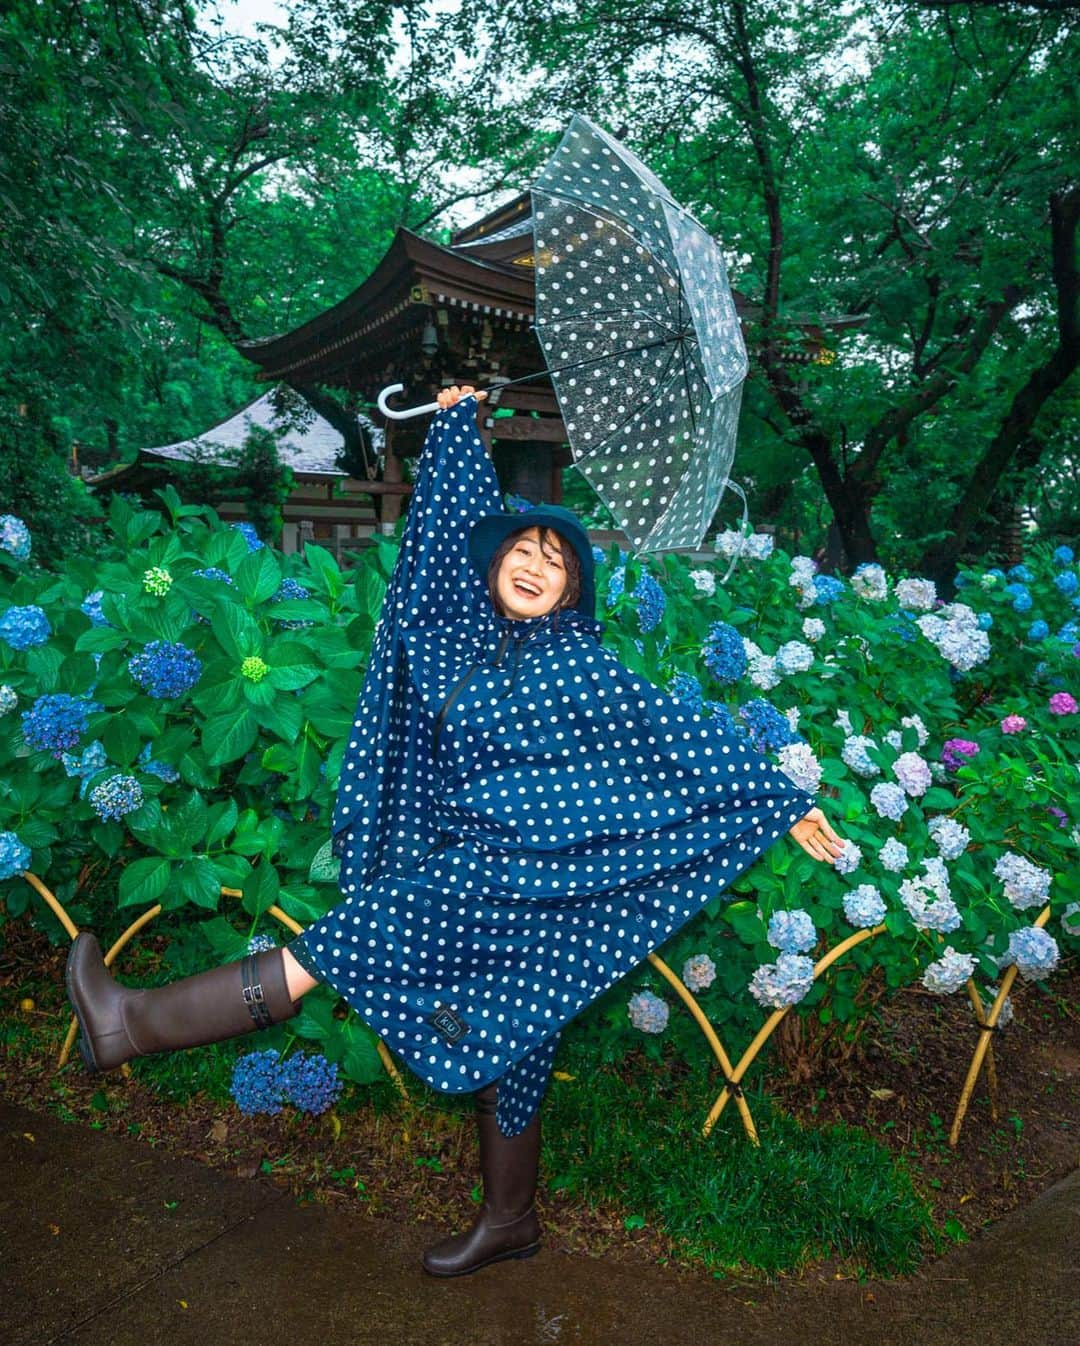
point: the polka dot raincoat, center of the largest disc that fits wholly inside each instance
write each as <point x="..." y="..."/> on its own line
<point x="520" y="819"/>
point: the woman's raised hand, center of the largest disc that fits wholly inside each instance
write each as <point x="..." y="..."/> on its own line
<point x="452" y="395"/>
<point x="816" y="837"/>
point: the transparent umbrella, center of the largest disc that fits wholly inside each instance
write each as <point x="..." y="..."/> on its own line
<point x="637" y="323"/>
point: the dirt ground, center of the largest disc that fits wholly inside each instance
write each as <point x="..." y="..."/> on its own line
<point x="901" y="1081"/>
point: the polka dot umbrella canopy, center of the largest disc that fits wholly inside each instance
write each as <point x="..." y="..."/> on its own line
<point x="637" y="323"/>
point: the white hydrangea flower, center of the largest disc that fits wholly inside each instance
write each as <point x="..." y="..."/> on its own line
<point x="704" y="581"/>
<point x="869" y="581"/>
<point x="843" y="721"/>
<point x="916" y="595"/>
<point x="949" y="972"/>
<point x="798" y="762"/>
<point x="793" y="714"/>
<point x="813" y="628"/>
<point x="894" y="738"/>
<point x="760" y="667"/>
<point x="699" y="972"/>
<point x="793" y="657"/>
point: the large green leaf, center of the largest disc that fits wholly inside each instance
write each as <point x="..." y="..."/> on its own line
<point x="198" y="882"/>
<point x="258" y="576"/>
<point x="325" y="568"/>
<point x="261" y="888"/>
<point x="236" y="630"/>
<point x="143" y="881"/>
<point x="226" y="738"/>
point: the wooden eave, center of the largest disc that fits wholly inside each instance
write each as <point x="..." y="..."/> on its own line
<point x="414" y="276"/>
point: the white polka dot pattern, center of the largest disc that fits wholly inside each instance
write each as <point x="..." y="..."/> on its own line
<point x="567" y="818"/>
<point x="638" y="326"/>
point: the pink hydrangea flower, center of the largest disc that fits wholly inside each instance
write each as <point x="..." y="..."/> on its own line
<point x="1013" y="724"/>
<point x="1063" y="703"/>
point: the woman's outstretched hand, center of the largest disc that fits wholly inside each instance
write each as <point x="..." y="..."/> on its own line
<point x="450" y="396"/>
<point x="816" y="837"/>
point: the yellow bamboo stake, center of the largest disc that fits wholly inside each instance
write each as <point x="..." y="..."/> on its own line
<point x="57" y="908"/>
<point x="690" y="1001"/>
<point x="991" y="1068"/>
<point x="770" y="1024"/>
<point x="984" y="1040"/>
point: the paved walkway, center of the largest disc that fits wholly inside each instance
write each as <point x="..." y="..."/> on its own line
<point x="91" y="1253"/>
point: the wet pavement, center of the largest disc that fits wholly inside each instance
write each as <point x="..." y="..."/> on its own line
<point x="105" y="1240"/>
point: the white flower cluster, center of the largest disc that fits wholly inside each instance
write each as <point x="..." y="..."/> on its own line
<point x="854" y="755"/>
<point x="699" y="972"/>
<point x="813" y="628"/>
<point x="843" y="721"/>
<point x="803" y="569"/>
<point x="865" y="906"/>
<point x="950" y="837"/>
<point x="916" y="595"/>
<point x="783" y="983"/>
<point x="894" y="739"/>
<point x="1026" y="885"/>
<point x="869" y="581"/>
<point x="954" y="630"/>
<point x="849" y="859"/>
<point x="704" y="581"/>
<point x="758" y="546"/>
<point x="760" y="667"/>
<point x="793" y="714"/>
<point x="949" y="972"/>
<point x="893" y="856"/>
<point x="1070" y="919"/>
<point x="794" y="657"/>
<point x="913" y="774"/>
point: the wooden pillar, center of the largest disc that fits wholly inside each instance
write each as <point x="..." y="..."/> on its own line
<point x="393" y="471"/>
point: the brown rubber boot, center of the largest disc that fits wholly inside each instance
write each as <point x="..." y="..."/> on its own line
<point x="119" y="1022"/>
<point x="507" y="1225"/>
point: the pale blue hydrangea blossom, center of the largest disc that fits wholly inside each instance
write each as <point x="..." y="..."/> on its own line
<point x="9" y="699"/>
<point x="955" y="632"/>
<point x="761" y="667"/>
<point x="1070" y="919"/>
<point x="794" y="657"/>
<point x="648" y="1012"/>
<point x="754" y="546"/>
<point x="950" y="837"/>
<point x="849" y="859"/>
<point x="889" y="800"/>
<point x="1026" y="885"/>
<point x="699" y="972"/>
<point x="916" y="595"/>
<point x="1034" y="952"/>
<point x="869" y="581"/>
<point x="927" y="900"/>
<point x="783" y="983"/>
<point x="893" y="856"/>
<point x="813" y="628"/>
<point x="894" y="737"/>
<point x="791" y="931"/>
<point x="798" y="762"/>
<point x="949" y="972"/>
<point x="704" y="581"/>
<point x="865" y="906"/>
<point x="854" y="755"/>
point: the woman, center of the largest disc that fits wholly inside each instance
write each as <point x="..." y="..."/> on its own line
<point x="520" y="821"/>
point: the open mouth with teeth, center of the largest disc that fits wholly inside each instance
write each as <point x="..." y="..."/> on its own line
<point x="526" y="589"/>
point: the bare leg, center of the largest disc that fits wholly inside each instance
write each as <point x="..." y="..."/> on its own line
<point x="297" y="979"/>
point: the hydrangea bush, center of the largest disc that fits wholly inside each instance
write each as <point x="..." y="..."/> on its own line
<point x="173" y="717"/>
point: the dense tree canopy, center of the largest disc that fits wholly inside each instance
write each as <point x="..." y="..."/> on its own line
<point x="170" y="189"/>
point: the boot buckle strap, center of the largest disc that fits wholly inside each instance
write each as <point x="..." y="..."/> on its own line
<point x="253" y="994"/>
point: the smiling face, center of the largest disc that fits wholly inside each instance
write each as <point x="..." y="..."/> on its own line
<point x="531" y="578"/>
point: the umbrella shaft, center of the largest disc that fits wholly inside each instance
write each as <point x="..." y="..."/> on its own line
<point x="581" y="364"/>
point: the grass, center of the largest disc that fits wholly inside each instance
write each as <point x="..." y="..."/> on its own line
<point x="807" y="1194"/>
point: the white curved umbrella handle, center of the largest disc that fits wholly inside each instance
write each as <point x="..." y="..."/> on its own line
<point x="402" y="415"/>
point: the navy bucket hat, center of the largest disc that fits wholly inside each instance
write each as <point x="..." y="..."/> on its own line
<point x="488" y="532"/>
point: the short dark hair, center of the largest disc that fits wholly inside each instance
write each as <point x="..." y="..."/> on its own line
<point x="549" y="538"/>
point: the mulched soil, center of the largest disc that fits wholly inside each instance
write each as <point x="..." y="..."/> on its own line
<point x="900" y="1080"/>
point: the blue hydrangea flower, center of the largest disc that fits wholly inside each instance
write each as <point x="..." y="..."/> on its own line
<point x="699" y="972"/>
<point x="927" y="900"/>
<point x="311" y="1082"/>
<point x="1020" y="574"/>
<point x="648" y="1012"/>
<point x="86" y="765"/>
<point x="724" y="653"/>
<point x="91" y="605"/>
<point x="517" y="504"/>
<point x="165" y="670"/>
<point x="9" y="699"/>
<point x="1026" y="885"/>
<point x="783" y="983"/>
<point x="1038" y="630"/>
<point x="986" y="620"/>
<point x="647" y="593"/>
<point x="14" y="536"/>
<point x="214" y="573"/>
<point x="893" y="856"/>
<point x="865" y="906"/>
<point x="599" y="555"/>
<point x="263" y="943"/>
<point x="14" y="856"/>
<point x="913" y="773"/>
<point x="849" y="859"/>
<point x="1065" y="582"/>
<point x="24" y="628"/>
<point x="827" y="589"/>
<point x="889" y="800"/>
<point x="291" y="588"/>
<point x="685" y="687"/>
<point x="719" y="712"/>
<point x="791" y="931"/>
<point x="162" y="770"/>
<point x="1063" y="556"/>
<point x="116" y="797"/>
<point x="248" y="532"/>
<point x="854" y="755"/>
<point x="948" y="973"/>
<point x="56" y="722"/>
<point x="1021" y="603"/>
<point x="769" y="730"/>
<point x="258" y="1083"/>
<point x="1034" y="952"/>
<point x="799" y="764"/>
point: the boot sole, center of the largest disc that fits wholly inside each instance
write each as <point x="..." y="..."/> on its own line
<point x="85" y="1050"/>
<point x="518" y="1253"/>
